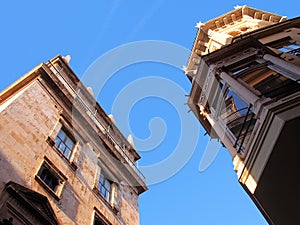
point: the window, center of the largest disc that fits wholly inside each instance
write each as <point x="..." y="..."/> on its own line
<point x="62" y="140"/>
<point x="64" y="143"/>
<point x="99" y="221"/>
<point x="50" y="178"/>
<point x="239" y="119"/>
<point x="289" y="48"/>
<point x="104" y="187"/>
<point x="286" y="45"/>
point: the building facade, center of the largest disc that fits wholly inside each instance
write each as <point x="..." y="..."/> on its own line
<point x="62" y="159"/>
<point x="245" y="74"/>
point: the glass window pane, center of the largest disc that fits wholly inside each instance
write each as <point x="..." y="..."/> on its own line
<point x="102" y="191"/>
<point x="67" y="153"/>
<point x="49" y="179"/>
<point x="107" y="185"/>
<point x="57" y="141"/>
<point x="69" y="143"/>
<point x="101" y="179"/>
<point x="104" y="187"/>
<point x="64" y="143"/>
<point x="61" y="135"/>
<point x="62" y="147"/>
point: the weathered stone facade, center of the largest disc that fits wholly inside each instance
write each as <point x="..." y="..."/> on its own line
<point x="36" y="155"/>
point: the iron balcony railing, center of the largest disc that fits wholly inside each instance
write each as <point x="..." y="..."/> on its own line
<point x="241" y="124"/>
<point x="295" y="52"/>
<point x="105" y="130"/>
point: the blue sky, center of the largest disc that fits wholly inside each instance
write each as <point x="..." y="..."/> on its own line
<point x="36" y="31"/>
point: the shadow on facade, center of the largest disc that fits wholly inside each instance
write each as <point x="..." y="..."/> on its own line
<point x="20" y="204"/>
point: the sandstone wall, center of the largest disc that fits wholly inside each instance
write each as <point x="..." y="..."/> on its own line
<point x="25" y="125"/>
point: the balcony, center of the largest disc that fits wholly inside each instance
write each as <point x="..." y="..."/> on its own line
<point x="239" y="120"/>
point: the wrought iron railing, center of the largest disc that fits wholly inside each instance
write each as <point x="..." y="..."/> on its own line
<point x="295" y="52"/>
<point x="241" y="124"/>
<point x="234" y="116"/>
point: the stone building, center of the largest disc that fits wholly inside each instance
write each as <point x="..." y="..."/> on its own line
<point x="62" y="159"/>
<point x="245" y="74"/>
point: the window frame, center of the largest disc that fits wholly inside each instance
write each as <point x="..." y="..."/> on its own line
<point x="98" y="215"/>
<point x="62" y="124"/>
<point x="113" y="200"/>
<point x="103" y="189"/>
<point x="55" y="173"/>
<point x="49" y="178"/>
<point x="285" y="44"/>
<point x="98" y="220"/>
<point x="63" y="141"/>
